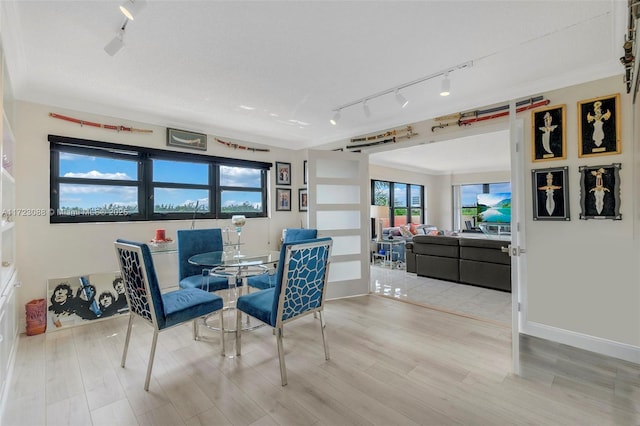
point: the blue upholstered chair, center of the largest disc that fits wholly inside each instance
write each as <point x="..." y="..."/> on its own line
<point x="161" y="311"/>
<point x="197" y="241"/>
<point x="290" y="235"/>
<point x="302" y="274"/>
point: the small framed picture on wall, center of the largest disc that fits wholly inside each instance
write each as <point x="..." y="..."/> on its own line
<point x="186" y="139"/>
<point x="303" y="200"/>
<point x="600" y="192"/>
<point x="550" y="194"/>
<point x="305" y="172"/>
<point x="599" y="126"/>
<point x="283" y="199"/>
<point x="548" y="140"/>
<point x="283" y="171"/>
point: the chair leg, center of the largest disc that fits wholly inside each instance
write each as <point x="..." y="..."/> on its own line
<point x="323" y="325"/>
<point x="283" y="368"/>
<point x="238" y="331"/>
<point x="195" y="329"/>
<point x="126" y="341"/>
<point x="151" y="356"/>
<point x="224" y="350"/>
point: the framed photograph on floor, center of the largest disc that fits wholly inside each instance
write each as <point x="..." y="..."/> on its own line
<point x="80" y="299"/>
<point x="548" y="134"/>
<point x="550" y="194"/>
<point x="303" y="200"/>
<point x="283" y="171"/>
<point x="600" y="192"/>
<point x="283" y="199"/>
<point x="599" y="126"/>
<point x="185" y="139"/>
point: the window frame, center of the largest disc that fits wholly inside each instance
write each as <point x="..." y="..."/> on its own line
<point x="144" y="183"/>
<point x="409" y="205"/>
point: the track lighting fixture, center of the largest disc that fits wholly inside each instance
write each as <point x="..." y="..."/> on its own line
<point x="336" y="117"/>
<point x="117" y="42"/>
<point x="401" y="99"/>
<point x="367" y="111"/>
<point x="396" y="90"/>
<point x="444" y="89"/>
<point x="131" y="8"/>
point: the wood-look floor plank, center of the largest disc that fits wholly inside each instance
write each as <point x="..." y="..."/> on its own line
<point x="391" y="363"/>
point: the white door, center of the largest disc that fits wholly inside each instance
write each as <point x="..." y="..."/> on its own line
<point x="338" y="185"/>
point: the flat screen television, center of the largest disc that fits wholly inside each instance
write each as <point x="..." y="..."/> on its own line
<point x="494" y="207"/>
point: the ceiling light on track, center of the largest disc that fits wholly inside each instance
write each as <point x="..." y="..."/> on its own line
<point x="336" y="117"/>
<point x="396" y="89"/>
<point x="401" y="99"/>
<point x="117" y="42"/>
<point x="367" y="110"/>
<point x="446" y="85"/>
<point x="131" y="8"/>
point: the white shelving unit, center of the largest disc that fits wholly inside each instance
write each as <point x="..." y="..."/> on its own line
<point x="8" y="275"/>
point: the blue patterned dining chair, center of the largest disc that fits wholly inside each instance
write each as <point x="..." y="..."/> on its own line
<point x="198" y="241"/>
<point x="300" y="288"/>
<point x="159" y="310"/>
<point x="290" y="235"/>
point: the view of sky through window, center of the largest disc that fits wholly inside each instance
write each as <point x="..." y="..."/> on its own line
<point x="88" y="196"/>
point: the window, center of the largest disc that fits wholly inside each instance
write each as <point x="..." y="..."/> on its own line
<point x="97" y="181"/>
<point x="241" y="190"/>
<point x="406" y="200"/>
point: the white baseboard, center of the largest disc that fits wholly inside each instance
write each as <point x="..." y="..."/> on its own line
<point x="583" y="341"/>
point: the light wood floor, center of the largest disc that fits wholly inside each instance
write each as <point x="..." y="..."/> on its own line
<point x="391" y="363"/>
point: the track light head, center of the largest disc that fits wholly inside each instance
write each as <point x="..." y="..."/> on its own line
<point x="401" y="99"/>
<point x="336" y="117"/>
<point x="114" y="45"/>
<point x="367" y="110"/>
<point x="446" y="84"/>
<point x="117" y="42"/>
<point x="131" y="8"/>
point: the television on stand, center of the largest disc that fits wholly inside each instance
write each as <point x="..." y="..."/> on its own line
<point x="494" y="213"/>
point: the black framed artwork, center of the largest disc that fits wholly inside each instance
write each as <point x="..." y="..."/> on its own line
<point x="303" y="200"/>
<point x="283" y="171"/>
<point x="599" y="126"/>
<point x="550" y="194"/>
<point x="305" y="172"/>
<point x="186" y="139"/>
<point x="283" y="199"/>
<point x="548" y="134"/>
<point x="600" y="192"/>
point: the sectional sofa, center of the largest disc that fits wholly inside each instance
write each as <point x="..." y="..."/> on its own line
<point x="475" y="261"/>
<point x="395" y="233"/>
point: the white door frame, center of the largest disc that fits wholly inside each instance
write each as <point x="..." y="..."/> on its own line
<point x="518" y="240"/>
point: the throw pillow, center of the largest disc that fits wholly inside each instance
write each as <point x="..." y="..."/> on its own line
<point x="413" y="229"/>
<point x="405" y="232"/>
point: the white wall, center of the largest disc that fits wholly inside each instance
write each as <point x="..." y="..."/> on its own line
<point x="47" y="250"/>
<point x="583" y="274"/>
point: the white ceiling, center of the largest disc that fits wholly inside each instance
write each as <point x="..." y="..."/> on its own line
<point x="271" y="72"/>
<point x="486" y="152"/>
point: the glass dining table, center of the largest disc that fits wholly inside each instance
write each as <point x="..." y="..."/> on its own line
<point x="236" y="266"/>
